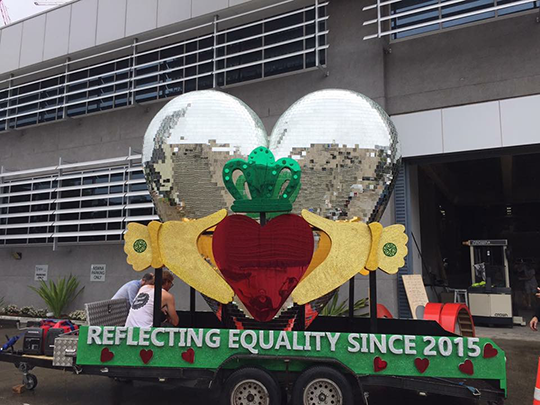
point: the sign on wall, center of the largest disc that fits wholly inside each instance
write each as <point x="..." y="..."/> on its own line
<point x="97" y="272"/>
<point x="41" y="272"/>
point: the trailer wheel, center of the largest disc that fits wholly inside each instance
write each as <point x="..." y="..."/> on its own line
<point x="30" y="381"/>
<point x="251" y="386"/>
<point x="322" y="385"/>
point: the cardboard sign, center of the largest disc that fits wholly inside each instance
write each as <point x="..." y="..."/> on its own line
<point x="97" y="272"/>
<point x="416" y="294"/>
<point x="363" y="353"/>
<point x="41" y="272"/>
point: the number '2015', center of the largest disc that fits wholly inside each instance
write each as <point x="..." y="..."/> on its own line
<point x="445" y="346"/>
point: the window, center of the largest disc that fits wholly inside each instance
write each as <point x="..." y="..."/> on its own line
<point x="263" y="48"/>
<point x="407" y="18"/>
<point x="73" y="207"/>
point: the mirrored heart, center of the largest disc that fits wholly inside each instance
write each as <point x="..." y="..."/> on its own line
<point x="346" y="146"/>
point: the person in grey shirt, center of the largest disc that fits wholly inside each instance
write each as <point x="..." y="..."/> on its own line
<point x="129" y="290"/>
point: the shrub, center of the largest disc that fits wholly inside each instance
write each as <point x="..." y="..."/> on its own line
<point x="57" y="296"/>
<point x="41" y="313"/>
<point x="29" y="311"/>
<point x="13" y="310"/>
<point x="78" y="315"/>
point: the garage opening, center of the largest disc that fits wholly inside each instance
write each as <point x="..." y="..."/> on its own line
<point x="491" y="198"/>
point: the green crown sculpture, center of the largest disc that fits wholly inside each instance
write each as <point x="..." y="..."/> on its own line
<point x="273" y="186"/>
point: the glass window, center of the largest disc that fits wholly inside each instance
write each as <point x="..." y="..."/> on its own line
<point x="452" y="12"/>
<point x="166" y="72"/>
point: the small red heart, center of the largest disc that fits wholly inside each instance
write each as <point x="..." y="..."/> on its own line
<point x="146" y="355"/>
<point x="421" y="364"/>
<point x="189" y="355"/>
<point x="379" y="364"/>
<point x="490" y="351"/>
<point x="106" y="355"/>
<point x="467" y="367"/>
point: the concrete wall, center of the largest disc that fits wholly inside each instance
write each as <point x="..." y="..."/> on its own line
<point x="488" y="61"/>
<point x="83" y="24"/>
<point x="17" y="275"/>
<point x="487" y="125"/>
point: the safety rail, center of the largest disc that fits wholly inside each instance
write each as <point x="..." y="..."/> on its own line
<point x="141" y="72"/>
<point x="73" y="202"/>
<point x="403" y="18"/>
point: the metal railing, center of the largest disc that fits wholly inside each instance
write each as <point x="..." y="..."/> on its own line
<point x="140" y="72"/>
<point x="402" y="18"/>
<point x="74" y="202"/>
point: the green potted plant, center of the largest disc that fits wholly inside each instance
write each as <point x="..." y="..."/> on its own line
<point x="58" y="295"/>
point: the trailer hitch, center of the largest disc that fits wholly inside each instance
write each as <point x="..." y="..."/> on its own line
<point x="473" y="390"/>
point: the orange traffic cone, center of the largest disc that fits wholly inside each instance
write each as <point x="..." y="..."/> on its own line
<point x="536" y="400"/>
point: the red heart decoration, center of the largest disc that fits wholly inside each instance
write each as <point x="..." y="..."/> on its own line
<point x="490" y="351"/>
<point x="189" y="355"/>
<point x="421" y="364"/>
<point x="467" y="367"/>
<point x="106" y="355"/>
<point x="263" y="265"/>
<point x="379" y="364"/>
<point x="146" y="355"/>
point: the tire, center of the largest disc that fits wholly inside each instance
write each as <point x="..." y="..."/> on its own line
<point x="251" y="386"/>
<point x="30" y="381"/>
<point x="322" y="385"/>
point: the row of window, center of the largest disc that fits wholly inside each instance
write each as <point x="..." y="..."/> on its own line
<point x="448" y="15"/>
<point x="86" y="206"/>
<point x="268" y="47"/>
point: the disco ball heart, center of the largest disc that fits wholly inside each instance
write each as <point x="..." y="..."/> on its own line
<point x="344" y="143"/>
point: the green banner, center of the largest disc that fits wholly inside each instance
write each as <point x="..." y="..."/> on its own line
<point x="363" y="353"/>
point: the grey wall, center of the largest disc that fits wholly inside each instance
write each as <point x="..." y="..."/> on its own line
<point x="488" y="61"/>
<point x="86" y="23"/>
<point x="17" y="275"/>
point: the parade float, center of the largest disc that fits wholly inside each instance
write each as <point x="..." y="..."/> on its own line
<point x="267" y="229"/>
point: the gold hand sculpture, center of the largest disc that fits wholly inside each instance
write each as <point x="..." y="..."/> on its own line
<point x="174" y="244"/>
<point x="355" y="248"/>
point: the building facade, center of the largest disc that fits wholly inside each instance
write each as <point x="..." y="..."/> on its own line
<point x="80" y="83"/>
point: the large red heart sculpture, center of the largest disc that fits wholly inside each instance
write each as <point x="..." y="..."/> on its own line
<point x="263" y="265"/>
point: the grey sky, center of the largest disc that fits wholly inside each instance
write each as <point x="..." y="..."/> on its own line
<point x="19" y="9"/>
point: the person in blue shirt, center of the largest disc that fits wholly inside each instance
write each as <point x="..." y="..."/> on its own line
<point x="129" y="290"/>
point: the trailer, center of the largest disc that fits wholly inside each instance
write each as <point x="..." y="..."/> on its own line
<point x="342" y="363"/>
<point x="267" y="280"/>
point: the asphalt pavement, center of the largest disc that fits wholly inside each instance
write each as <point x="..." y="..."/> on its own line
<point x="58" y="387"/>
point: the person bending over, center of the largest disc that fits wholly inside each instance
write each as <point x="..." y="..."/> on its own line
<point x="141" y="313"/>
<point x="130" y="290"/>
